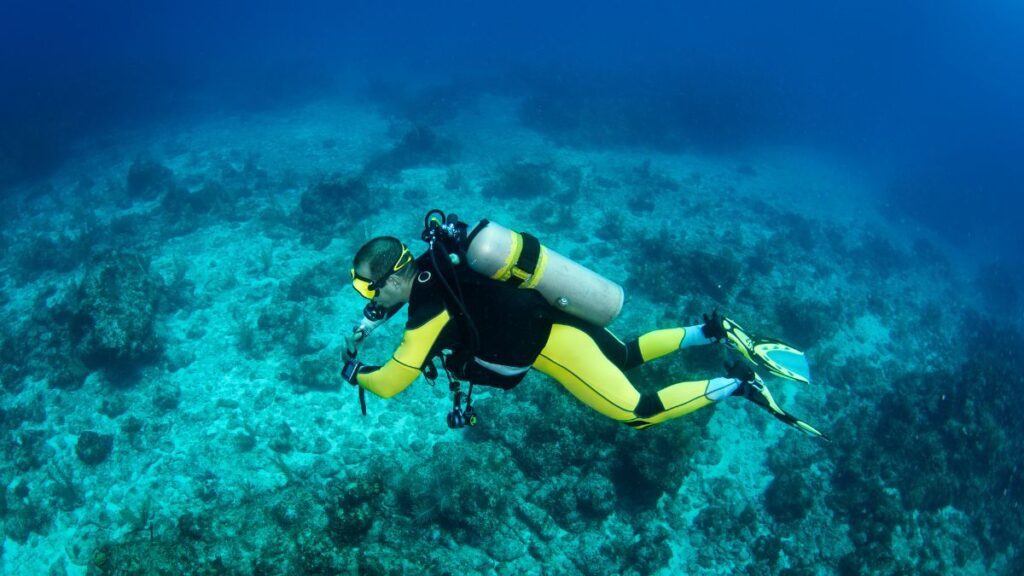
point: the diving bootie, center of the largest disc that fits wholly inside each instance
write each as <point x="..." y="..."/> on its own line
<point x="775" y="356"/>
<point x="752" y="388"/>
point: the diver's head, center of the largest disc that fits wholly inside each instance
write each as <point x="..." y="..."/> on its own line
<point x="382" y="271"/>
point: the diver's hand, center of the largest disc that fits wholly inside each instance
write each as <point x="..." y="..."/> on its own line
<point x="352" y="343"/>
<point x="350" y="371"/>
<point x="351" y="350"/>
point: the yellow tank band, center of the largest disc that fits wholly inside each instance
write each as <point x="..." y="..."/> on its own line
<point x="505" y="272"/>
<point x="538" y="273"/>
<point x="510" y="268"/>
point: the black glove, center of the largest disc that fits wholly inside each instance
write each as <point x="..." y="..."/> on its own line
<point x="350" y="370"/>
<point x="712" y="328"/>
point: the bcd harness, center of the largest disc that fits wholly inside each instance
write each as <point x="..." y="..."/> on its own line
<point x="447" y="240"/>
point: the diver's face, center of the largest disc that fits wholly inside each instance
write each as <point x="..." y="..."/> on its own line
<point x="389" y="294"/>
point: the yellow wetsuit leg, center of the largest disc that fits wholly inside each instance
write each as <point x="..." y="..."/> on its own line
<point x="575" y="360"/>
<point x="660" y="342"/>
<point x="677" y="400"/>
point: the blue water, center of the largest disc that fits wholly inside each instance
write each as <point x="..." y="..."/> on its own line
<point x="925" y="97"/>
<point x="183" y="186"/>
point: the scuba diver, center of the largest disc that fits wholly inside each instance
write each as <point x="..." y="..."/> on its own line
<point x="492" y="304"/>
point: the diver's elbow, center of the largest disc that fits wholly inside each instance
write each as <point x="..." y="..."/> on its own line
<point x="384" y="393"/>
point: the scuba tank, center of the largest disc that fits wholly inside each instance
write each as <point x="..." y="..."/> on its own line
<point x="519" y="258"/>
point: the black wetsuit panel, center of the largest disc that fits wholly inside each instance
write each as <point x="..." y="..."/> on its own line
<point x="512" y="325"/>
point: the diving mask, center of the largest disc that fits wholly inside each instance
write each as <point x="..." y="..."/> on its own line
<point x="369" y="288"/>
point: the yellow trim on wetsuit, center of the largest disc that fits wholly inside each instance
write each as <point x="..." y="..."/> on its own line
<point x="575" y="360"/>
<point x="404" y="367"/>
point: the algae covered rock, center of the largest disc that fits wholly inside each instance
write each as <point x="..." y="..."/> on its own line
<point x="114" y="325"/>
<point x="595" y="495"/>
<point x="94" y="448"/>
<point x="352" y="507"/>
<point x="468" y="490"/>
<point x="145" y="557"/>
<point x="148" y="179"/>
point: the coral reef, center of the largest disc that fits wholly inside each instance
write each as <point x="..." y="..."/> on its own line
<point x="352" y="508"/>
<point x="319" y="281"/>
<point x="169" y="359"/>
<point x="147" y="179"/>
<point x="328" y="208"/>
<point x="466" y="493"/>
<point x="661" y="266"/>
<point x="47" y="254"/>
<point x="522" y="179"/>
<point x="12" y="369"/>
<point x="162" y="558"/>
<point x="420" y="146"/>
<point x="318" y="373"/>
<point x="945" y="441"/>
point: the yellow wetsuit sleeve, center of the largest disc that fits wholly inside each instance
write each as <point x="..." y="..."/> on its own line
<point x="404" y="367"/>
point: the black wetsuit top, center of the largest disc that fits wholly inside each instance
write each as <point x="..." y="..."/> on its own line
<point x="511" y="328"/>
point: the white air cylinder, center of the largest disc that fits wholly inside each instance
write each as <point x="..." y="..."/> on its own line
<point x="495" y="251"/>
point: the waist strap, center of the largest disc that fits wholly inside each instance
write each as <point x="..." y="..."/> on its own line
<point x="501" y="368"/>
